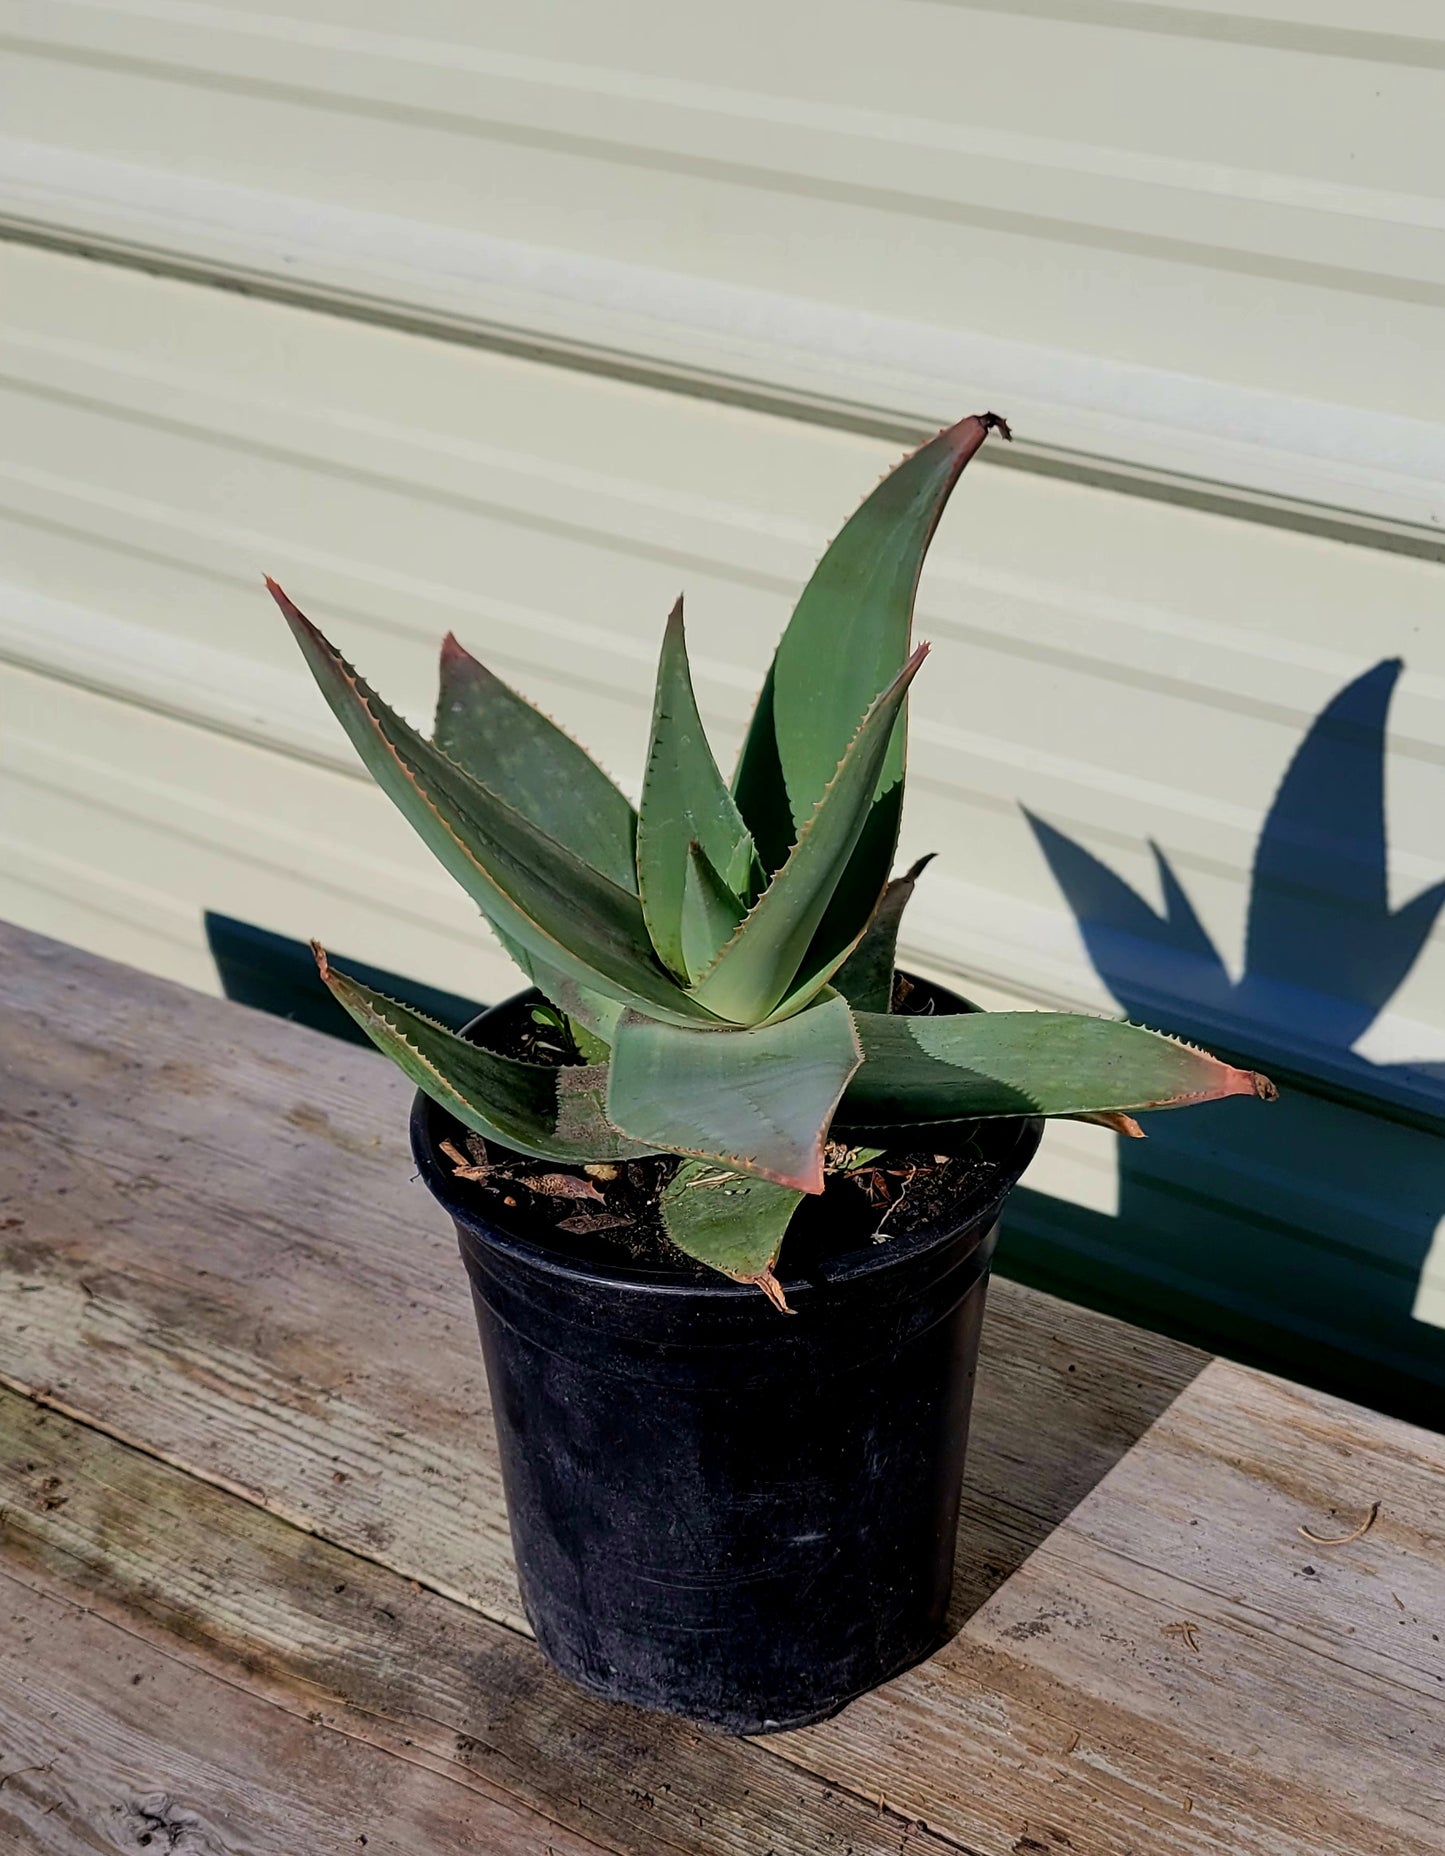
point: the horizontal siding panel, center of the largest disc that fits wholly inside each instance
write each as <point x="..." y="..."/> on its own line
<point x="1083" y="207"/>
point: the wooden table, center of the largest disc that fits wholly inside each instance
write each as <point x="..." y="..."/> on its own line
<point x="256" y="1584"/>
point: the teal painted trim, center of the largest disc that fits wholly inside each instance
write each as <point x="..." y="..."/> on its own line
<point x="278" y="975"/>
<point x="1264" y="1279"/>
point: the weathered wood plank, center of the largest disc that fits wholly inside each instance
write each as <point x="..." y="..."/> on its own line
<point x="1177" y="1669"/>
<point x="113" y="1743"/>
<point x="119" y="1734"/>
<point x="1235" y="1469"/>
<point x="272" y="1663"/>
<point x="221" y="1258"/>
<point x="217" y="1249"/>
<point x="984" y="1738"/>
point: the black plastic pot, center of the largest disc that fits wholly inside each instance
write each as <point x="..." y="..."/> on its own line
<point x="720" y="1511"/>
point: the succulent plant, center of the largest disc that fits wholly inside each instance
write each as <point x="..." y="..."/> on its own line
<point x="724" y="954"/>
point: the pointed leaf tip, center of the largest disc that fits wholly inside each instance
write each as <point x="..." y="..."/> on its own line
<point x="865" y="978"/>
<point x="854" y="618"/>
<point x="685" y="803"/>
<point x="1116" y="1121"/>
<point x="1227" y="1080"/>
<point x="532" y="886"/>
<point x="547" y="1113"/>
<point x="293" y="613"/>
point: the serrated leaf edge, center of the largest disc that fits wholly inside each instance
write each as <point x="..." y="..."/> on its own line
<point x="329" y="975"/>
<point x="1259" y="1085"/>
<point x="366" y="696"/>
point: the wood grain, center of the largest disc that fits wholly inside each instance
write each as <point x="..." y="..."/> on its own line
<point x="1177" y="1669"/>
<point x="135" y="1726"/>
<point x="247" y="1627"/>
<point x="212" y="1250"/>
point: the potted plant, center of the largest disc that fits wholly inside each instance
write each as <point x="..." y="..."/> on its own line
<point x="734" y="1505"/>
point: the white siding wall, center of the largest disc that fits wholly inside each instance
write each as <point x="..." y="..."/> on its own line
<point x="1202" y="239"/>
<point x="1195" y="252"/>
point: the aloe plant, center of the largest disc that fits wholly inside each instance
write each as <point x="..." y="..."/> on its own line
<point x="724" y="953"/>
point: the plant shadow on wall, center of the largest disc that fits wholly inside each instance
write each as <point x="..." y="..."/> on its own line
<point x="1297" y="1240"/>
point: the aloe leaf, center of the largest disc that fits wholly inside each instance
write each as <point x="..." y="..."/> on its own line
<point x="866" y="978"/>
<point x="545" y="1112"/>
<point x="710" y="912"/>
<point x="733" y="1222"/>
<point x="960" y="1066"/>
<point x="756" y="1101"/>
<point x="757" y="968"/>
<point x="685" y="801"/>
<point x="847" y="639"/>
<point x="499" y="738"/>
<point x="531" y="887"/>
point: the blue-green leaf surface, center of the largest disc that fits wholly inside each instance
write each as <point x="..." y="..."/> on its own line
<point x="508" y="745"/>
<point x="733" y="1222"/>
<point x="960" y="1066"/>
<point x="756" y="1101"/>
<point x="847" y="639"/>
<point x="866" y="978"/>
<point x="710" y="913"/>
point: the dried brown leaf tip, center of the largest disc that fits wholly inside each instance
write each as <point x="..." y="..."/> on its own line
<point x="1118" y="1121"/>
<point x="772" y="1289"/>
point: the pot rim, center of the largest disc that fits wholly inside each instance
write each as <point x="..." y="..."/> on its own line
<point x="1021" y="1136"/>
